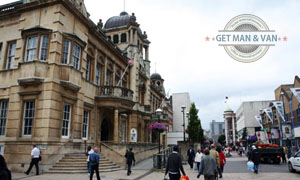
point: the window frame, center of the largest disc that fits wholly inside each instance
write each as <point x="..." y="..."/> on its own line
<point x="98" y="74"/>
<point x="69" y="122"/>
<point x="36" y="48"/>
<point x="8" y="55"/>
<point x="24" y="116"/>
<point x="1" y="46"/>
<point x="116" y="39"/>
<point x="76" y="55"/>
<point x="87" y="69"/>
<point x="41" y="47"/>
<point x="123" y="38"/>
<point x="3" y="117"/>
<point x="68" y="51"/>
<point x="85" y="125"/>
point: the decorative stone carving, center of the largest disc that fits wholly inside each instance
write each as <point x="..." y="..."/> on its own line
<point x="100" y="24"/>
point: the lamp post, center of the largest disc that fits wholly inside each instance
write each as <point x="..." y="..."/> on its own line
<point x="158" y="113"/>
<point x="183" y="108"/>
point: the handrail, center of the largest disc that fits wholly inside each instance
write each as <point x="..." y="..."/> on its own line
<point x="110" y="149"/>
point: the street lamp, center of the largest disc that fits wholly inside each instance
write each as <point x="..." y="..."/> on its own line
<point x="158" y="113"/>
<point x="183" y="108"/>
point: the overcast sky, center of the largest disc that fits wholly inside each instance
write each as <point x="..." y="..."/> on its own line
<point x="177" y="31"/>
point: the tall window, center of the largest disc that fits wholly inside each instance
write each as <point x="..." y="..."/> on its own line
<point x="3" y="116"/>
<point x="298" y="113"/>
<point x="85" y="124"/>
<point x="31" y="47"/>
<point x="116" y="38"/>
<point x="66" y="52"/>
<point x="123" y="38"/>
<point x="11" y="51"/>
<point x="0" y="52"/>
<point x="76" y="56"/>
<point x="98" y="74"/>
<point x="28" y="118"/>
<point x="66" y="121"/>
<point x="44" y="48"/>
<point x="108" y="76"/>
<point x="87" y="67"/>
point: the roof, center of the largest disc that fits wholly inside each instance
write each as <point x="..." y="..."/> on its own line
<point x="156" y="76"/>
<point x="228" y="109"/>
<point x="118" y="21"/>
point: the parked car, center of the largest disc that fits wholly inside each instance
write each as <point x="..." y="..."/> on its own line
<point x="294" y="163"/>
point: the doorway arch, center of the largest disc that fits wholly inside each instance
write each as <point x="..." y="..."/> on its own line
<point x="104" y="130"/>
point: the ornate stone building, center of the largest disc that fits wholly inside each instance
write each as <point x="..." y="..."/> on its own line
<point x="65" y="82"/>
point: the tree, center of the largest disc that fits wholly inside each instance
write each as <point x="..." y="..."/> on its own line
<point x="221" y="139"/>
<point x="194" y="129"/>
<point x="245" y="134"/>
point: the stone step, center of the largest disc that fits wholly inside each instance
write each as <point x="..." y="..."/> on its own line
<point x="79" y="160"/>
<point x="82" y="165"/>
<point x="80" y="168"/>
<point x="81" y="172"/>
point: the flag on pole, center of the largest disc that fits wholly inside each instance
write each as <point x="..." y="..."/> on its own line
<point x="269" y="113"/>
<point x="279" y="107"/>
<point x="130" y="62"/>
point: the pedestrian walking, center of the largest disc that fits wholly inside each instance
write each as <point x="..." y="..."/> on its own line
<point x="129" y="159"/>
<point x="255" y="158"/>
<point x="222" y="161"/>
<point x="240" y="150"/>
<point x="191" y="156"/>
<point x="94" y="160"/>
<point x="5" y="173"/>
<point x="88" y="153"/>
<point x="199" y="156"/>
<point x="283" y="155"/>
<point x="174" y="165"/>
<point x="208" y="167"/>
<point x="215" y="154"/>
<point x="35" y="158"/>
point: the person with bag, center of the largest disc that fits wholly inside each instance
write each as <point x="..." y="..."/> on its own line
<point x="208" y="167"/>
<point x="35" y="158"/>
<point x="88" y="153"/>
<point x="222" y="161"/>
<point x="129" y="159"/>
<point x="191" y="156"/>
<point x="5" y="173"/>
<point x="199" y="156"/>
<point x="255" y="158"/>
<point x="174" y="165"/>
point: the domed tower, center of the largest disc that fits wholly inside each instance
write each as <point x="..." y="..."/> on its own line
<point x="125" y="33"/>
<point x="230" y="126"/>
<point x="158" y="83"/>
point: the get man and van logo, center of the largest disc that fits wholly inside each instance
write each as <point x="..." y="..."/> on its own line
<point x="246" y="38"/>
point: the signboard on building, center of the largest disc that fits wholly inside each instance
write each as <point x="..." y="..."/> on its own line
<point x="286" y="131"/>
<point x="133" y="135"/>
<point x="275" y="133"/>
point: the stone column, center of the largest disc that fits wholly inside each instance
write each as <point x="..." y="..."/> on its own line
<point x="233" y="130"/>
<point x="131" y="36"/>
<point x="147" y="53"/>
<point x="116" y="126"/>
<point x="226" y="130"/>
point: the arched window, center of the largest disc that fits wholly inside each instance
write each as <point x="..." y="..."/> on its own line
<point x="123" y="38"/>
<point x="116" y="38"/>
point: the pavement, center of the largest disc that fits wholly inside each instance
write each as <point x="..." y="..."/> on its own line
<point x="235" y="169"/>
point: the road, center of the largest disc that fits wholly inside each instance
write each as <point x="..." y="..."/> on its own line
<point x="235" y="169"/>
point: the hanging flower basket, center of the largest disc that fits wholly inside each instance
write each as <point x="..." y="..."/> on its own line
<point x="157" y="127"/>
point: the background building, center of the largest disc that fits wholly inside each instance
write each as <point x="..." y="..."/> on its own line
<point x="178" y="100"/>
<point x="245" y="117"/>
<point x="230" y="126"/>
<point x="216" y="129"/>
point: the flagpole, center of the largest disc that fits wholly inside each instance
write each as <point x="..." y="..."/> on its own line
<point x="123" y="74"/>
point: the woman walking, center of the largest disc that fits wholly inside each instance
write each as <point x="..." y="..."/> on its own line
<point x="199" y="157"/>
<point x="88" y="153"/>
<point x="222" y="161"/>
<point x="4" y="172"/>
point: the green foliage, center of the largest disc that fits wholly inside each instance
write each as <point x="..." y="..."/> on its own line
<point x="245" y="134"/>
<point x="221" y="139"/>
<point x="194" y="129"/>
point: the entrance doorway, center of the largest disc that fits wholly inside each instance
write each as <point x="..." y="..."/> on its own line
<point x="104" y="130"/>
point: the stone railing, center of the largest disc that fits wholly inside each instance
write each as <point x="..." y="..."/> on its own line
<point x="118" y="92"/>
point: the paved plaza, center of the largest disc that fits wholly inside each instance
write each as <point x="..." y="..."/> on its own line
<point x="235" y="169"/>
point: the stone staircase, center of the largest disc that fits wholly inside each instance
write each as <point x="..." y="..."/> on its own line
<point x="76" y="163"/>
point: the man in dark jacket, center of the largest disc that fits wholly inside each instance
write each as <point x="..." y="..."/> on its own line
<point x="191" y="156"/>
<point x="94" y="160"/>
<point x="129" y="158"/>
<point x="208" y="167"/>
<point x="4" y="171"/>
<point x="174" y="165"/>
<point x="255" y="157"/>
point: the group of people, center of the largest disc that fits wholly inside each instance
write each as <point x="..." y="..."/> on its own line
<point x="210" y="162"/>
<point x="93" y="161"/>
